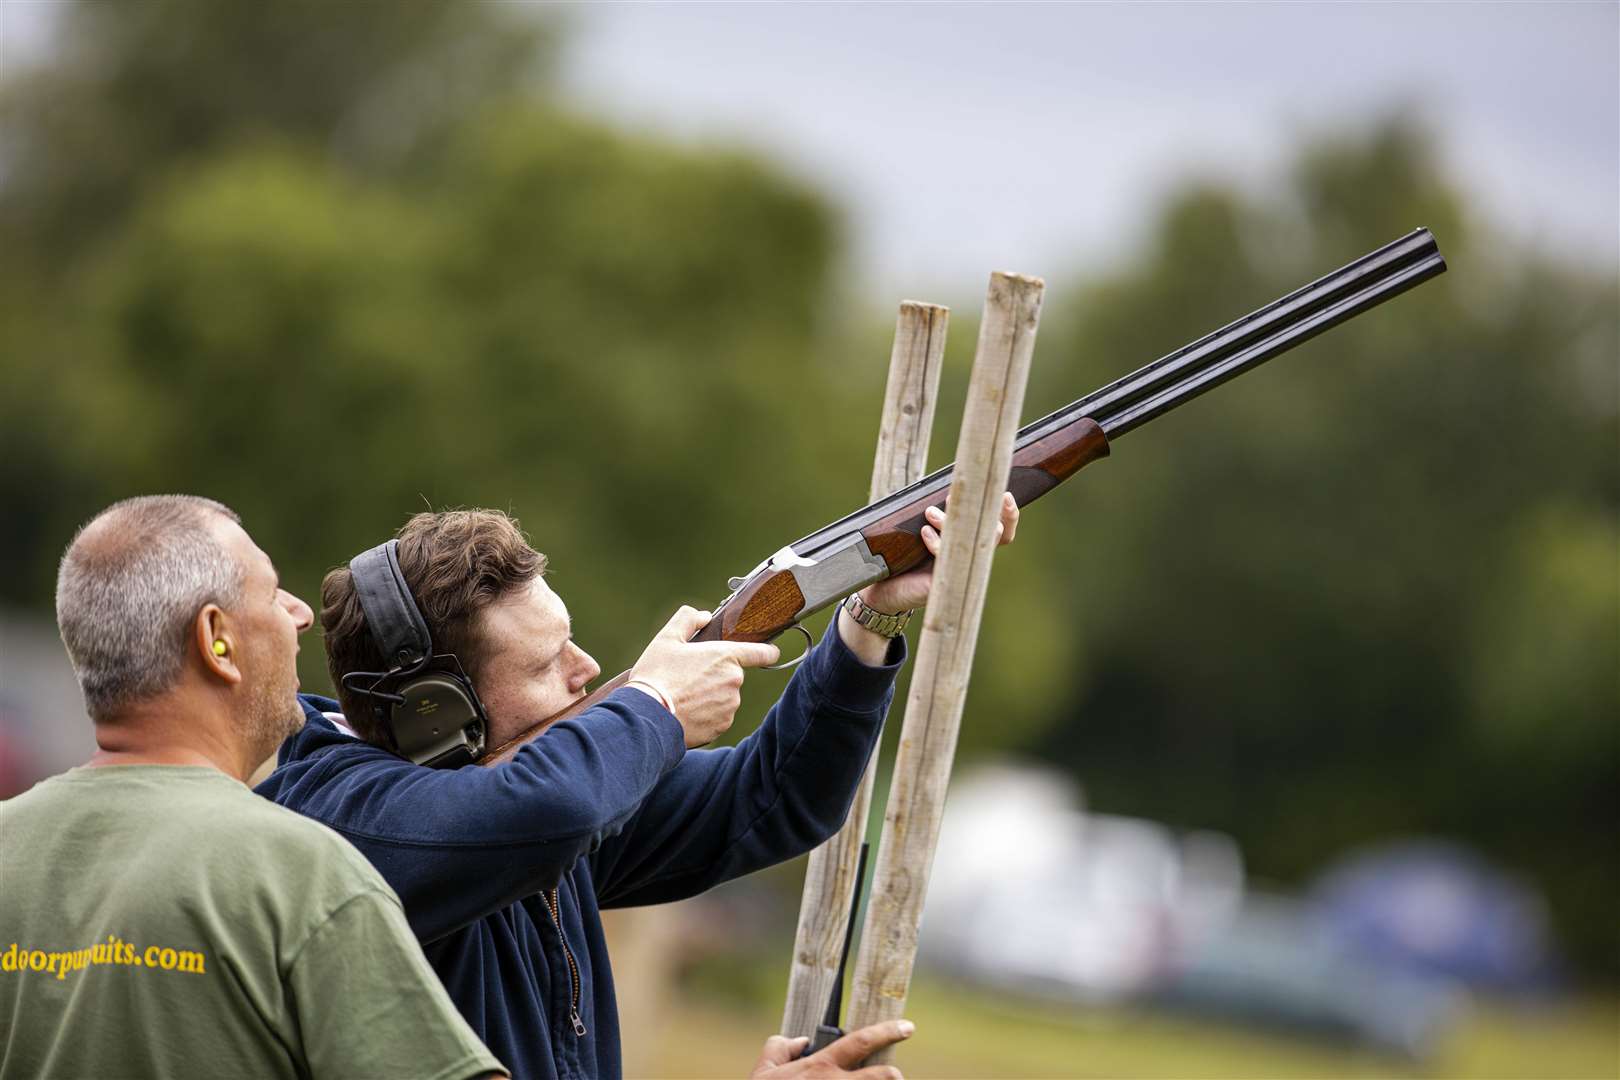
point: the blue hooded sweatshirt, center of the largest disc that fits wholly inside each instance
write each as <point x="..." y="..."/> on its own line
<point x="503" y="870"/>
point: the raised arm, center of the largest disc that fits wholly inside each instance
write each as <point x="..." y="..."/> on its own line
<point x="787" y="787"/>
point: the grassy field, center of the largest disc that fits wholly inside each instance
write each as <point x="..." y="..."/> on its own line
<point x="716" y="1028"/>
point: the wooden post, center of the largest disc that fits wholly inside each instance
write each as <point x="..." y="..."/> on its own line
<point x="902" y="455"/>
<point x="939" y="682"/>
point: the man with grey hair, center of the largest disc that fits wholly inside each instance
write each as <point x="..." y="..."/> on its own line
<point x="158" y="918"/>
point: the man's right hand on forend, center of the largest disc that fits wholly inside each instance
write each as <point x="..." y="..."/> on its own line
<point x="701" y="679"/>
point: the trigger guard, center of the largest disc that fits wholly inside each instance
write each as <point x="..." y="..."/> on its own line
<point x="809" y="642"/>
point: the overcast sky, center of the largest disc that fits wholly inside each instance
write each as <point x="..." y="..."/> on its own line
<point x="961" y="138"/>
<point x="1036" y="137"/>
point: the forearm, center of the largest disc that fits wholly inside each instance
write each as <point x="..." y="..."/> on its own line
<point x="778" y="793"/>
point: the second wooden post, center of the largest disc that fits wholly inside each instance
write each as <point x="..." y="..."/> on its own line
<point x="939" y="682"/>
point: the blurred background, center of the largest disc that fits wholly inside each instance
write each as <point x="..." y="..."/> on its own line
<point x="1293" y="746"/>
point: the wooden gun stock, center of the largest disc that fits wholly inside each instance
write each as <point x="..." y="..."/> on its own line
<point x="507" y="749"/>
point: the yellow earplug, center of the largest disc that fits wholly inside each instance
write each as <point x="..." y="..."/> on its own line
<point x="220" y="648"/>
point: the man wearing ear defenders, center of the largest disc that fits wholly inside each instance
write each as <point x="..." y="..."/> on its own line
<point x="447" y="640"/>
<point x="158" y="920"/>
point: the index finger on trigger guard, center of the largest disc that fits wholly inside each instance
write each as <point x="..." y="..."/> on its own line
<point x="756" y="654"/>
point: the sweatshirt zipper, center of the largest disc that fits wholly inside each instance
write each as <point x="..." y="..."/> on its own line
<point x="573" y="968"/>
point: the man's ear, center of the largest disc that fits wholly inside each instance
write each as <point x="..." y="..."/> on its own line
<point x="216" y="641"/>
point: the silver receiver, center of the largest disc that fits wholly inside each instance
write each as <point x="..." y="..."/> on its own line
<point x="841" y="571"/>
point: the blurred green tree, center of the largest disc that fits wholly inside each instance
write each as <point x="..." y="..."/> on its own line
<point x="1371" y="590"/>
<point x="260" y="297"/>
<point x="133" y="95"/>
<point x="132" y="89"/>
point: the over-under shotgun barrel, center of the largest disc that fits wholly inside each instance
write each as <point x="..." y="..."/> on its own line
<point x="1051" y="449"/>
<point x="1209" y="376"/>
<point x="1259" y="336"/>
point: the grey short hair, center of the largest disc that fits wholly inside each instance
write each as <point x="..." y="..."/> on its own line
<point x="128" y="588"/>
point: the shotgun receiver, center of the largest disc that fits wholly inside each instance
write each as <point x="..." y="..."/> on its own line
<point x="883" y="539"/>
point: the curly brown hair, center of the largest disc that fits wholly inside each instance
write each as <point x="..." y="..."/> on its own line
<point x="456" y="563"/>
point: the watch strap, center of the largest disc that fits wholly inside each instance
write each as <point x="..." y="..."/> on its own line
<point x="880" y="623"/>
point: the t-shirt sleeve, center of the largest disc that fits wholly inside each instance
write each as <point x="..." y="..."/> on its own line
<point x="368" y="1004"/>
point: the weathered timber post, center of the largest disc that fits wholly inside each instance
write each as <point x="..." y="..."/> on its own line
<point x="939" y="681"/>
<point x="902" y="455"/>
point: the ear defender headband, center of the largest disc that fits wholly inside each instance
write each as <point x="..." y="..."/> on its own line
<point x="425" y="703"/>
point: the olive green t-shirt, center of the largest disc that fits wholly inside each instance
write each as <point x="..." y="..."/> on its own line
<point x="164" y="921"/>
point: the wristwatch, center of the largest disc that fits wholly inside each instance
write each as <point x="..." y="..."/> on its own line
<point x="879" y="622"/>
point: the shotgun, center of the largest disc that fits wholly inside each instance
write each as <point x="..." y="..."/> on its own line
<point x="883" y="538"/>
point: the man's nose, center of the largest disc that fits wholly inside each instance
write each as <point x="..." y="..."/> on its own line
<point x="303" y="617"/>
<point x="588" y="668"/>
